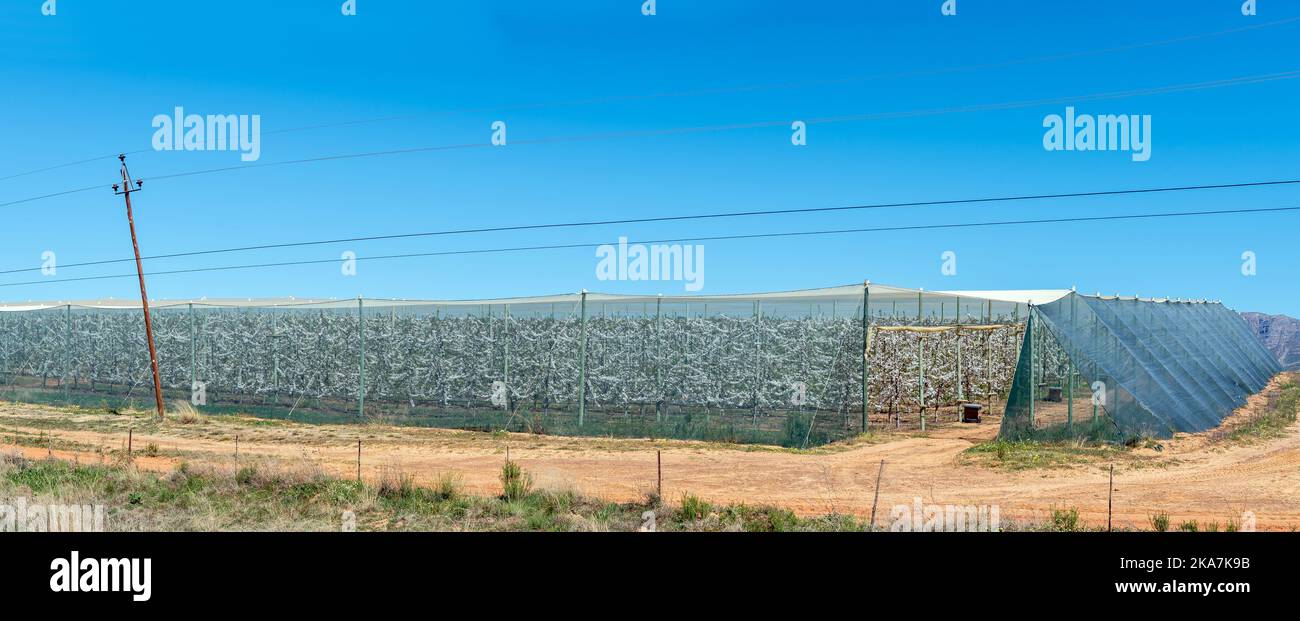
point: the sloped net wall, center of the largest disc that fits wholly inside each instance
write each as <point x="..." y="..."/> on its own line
<point x="781" y="369"/>
<point x="1136" y="368"/>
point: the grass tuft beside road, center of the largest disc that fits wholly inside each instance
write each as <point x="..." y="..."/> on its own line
<point x="1028" y="455"/>
<point x="267" y="495"/>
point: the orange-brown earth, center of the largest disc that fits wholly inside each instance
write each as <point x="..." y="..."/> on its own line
<point x="1191" y="477"/>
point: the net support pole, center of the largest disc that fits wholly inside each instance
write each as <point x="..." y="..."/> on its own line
<point x="4" y="350"/>
<point x="194" y="355"/>
<point x="361" y="358"/>
<point x="1069" y="385"/>
<point x="582" y="360"/>
<point x="920" y="360"/>
<point x="866" y="351"/>
<point x="758" y="354"/>
<point x="961" y="394"/>
<point x="988" y="355"/>
<point x="1033" y="386"/>
<point x="659" y="358"/>
<point x="505" y="337"/>
<point x="988" y="366"/>
<point x="275" y="357"/>
<point x="67" y="348"/>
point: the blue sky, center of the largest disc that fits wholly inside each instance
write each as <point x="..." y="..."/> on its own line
<point x="88" y="81"/>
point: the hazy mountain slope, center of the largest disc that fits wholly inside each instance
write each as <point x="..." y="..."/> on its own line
<point x="1280" y="334"/>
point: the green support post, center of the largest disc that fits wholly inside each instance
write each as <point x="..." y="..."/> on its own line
<point x="961" y="395"/>
<point x="582" y="362"/>
<point x="988" y="367"/>
<point x="361" y="359"/>
<point x="866" y="351"/>
<point x="988" y="355"/>
<point x="67" y="348"/>
<point x="659" y="357"/>
<point x="1069" y="385"/>
<point x="758" y="353"/>
<point x="274" y="356"/>
<point x="505" y="336"/>
<point x="194" y="355"/>
<point x="1033" y="386"/>
<point x="920" y="359"/>
<point x="686" y="351"/>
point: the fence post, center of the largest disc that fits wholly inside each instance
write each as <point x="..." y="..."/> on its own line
<point x="582" y="361"/>
<point x="876" y="500"/>
<point x="361" y="366"/>
<point x="1110" y="498"/>
<point x="866" y="351"/>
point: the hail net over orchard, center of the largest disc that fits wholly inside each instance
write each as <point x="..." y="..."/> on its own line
<point x="783" y="368"/>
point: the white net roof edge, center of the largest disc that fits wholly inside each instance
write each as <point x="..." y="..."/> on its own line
<point x="878" y="293"/>
<point x="1017" y="296"/>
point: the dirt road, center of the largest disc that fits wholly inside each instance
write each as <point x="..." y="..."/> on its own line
<point x="1191" y="478"/>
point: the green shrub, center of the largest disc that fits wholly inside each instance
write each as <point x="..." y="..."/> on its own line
<point x="246" y="475"/>
<point x="693" y="508"/>
<point x="1066" y="520"/>
<point x="515" y="483"/>
<point x="447" y="487"/>
<point x="1160" y="521"/>
<point x="397" y="486"/>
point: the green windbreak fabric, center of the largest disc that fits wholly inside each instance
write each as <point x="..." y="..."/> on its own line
<point x="1151" y="368"/>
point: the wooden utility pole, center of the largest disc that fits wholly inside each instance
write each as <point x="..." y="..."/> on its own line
<point x="127" y="187"/>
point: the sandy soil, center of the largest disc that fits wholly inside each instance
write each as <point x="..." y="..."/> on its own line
<point x="1191" y="477"/>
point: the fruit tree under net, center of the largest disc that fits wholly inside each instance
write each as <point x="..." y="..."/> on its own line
<point x="780" y="368"/>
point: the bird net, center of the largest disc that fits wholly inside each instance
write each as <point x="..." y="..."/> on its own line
<point x="778" y="368"/>
<point x="1123" y="368"/>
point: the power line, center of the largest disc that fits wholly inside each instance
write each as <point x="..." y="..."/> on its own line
<point x="680" y="218"/>
<point x="774" y="235"/>
<point x="1174" y="88"/>
<point x="736" y="89"/>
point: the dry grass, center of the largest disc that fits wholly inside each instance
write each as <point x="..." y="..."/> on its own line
<point x="185" y="414"/>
